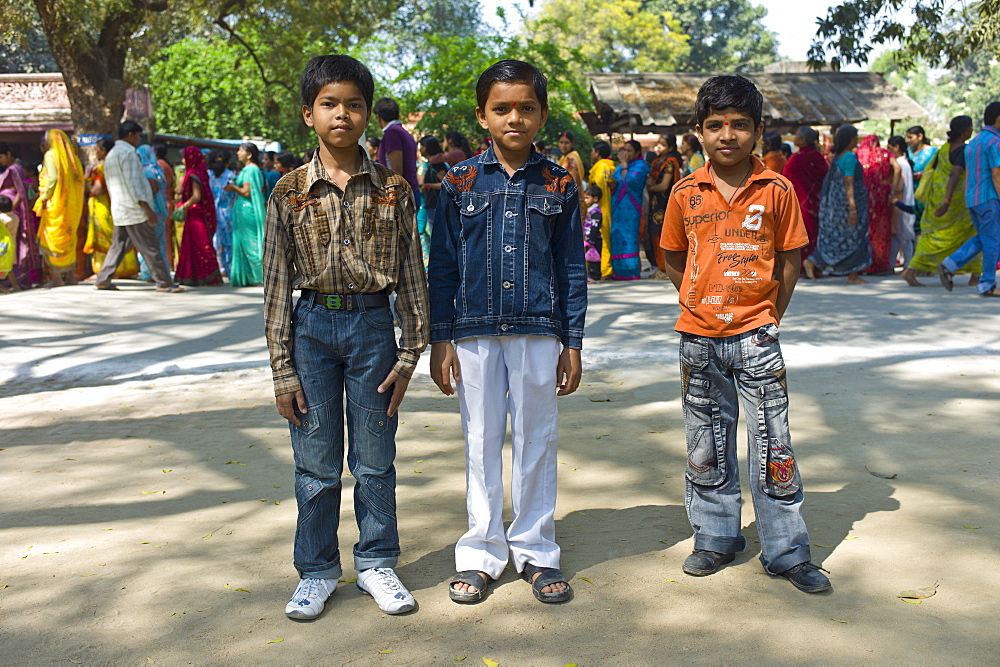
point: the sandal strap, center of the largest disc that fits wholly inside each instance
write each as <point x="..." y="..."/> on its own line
<point x="547" y="576"/>
<point x="470" y="577"/>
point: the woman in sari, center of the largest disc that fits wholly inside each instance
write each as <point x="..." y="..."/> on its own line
<point x="13" y="183"/>
<point x="59" y="206"/>
<point x="196" y="263"/>
<point x="946" y="223"/>
<point x="693" y="157"/>
<point x="601" y="173"/>
<point x="626" y="211"/>
<point x="100" y="226"/>
<point x="664" y="172"/>
<point x="248" y="220"/>
<point x="806" y="169"/>
<point x="880" y="169"/>
<point x="158" y="183"/>
<point x="842" y="246"/>
<point x="773" y="157"/>
<point x="571" y="162"/>
<point x="219" y="176"/>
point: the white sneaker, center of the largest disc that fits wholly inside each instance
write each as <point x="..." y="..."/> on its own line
<point x="310" y="597"/>
<point x="382" y="584"/>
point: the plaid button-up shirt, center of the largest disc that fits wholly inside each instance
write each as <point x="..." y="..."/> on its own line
<point x="359" y="240"/>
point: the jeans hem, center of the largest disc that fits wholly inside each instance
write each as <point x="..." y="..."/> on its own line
<point x="719" y="544"/>
<point x="361" y="564"/>
<point x="786" y="561"/>
<point x="334" y="572"/>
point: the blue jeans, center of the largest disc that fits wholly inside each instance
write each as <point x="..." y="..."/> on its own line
<point x="716" y="373"/>
<point x="986" y="220"/>
<point x="334" y="351"/>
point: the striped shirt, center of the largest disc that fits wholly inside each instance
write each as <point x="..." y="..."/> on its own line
<point x="127" y="185"/>
<point x="359" y="240"/>
<point x="982" y="156"/>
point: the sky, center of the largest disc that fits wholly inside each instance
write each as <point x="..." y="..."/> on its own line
<point x="795" y="27"/>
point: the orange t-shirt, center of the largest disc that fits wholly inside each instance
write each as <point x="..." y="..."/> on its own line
<point x="729" y="284"/>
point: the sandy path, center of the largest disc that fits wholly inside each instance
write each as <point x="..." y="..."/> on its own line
<point x="147" y="508"/>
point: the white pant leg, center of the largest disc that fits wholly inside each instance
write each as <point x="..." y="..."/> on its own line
<point x="531" y="378"/>
<point x="482" y="395"/>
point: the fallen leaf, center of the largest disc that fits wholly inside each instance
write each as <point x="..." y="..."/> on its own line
<point x="149" y="660"/>
<point x="263" y="500"/>
<point x="148" y="492"/>
<point x="82" y="575"/>
<point x="910" y="601"/>
<point x="227" y="587"/>
<point x="277" y="486"/>
<point x="919" y="593"/>
<point x="348" y="581"/>
<point x="207" y="537"/>
<point x="419" y="472"/>
<point x="587" y="580"/>
<point x="241" y="589"/>
<point x="277" y="502"/>
<point x="663" y="542"/>
<point x="168" y="470"/>
<point x="594" y="399"/>
<point x="851" y="537"/>
<point x="826" y="546"/>
<point x="275" y="641"/>
<point x="655" y="431"/>
<point x="880" y="475"/>
<point x="673" y="581"/>
<point x="490" y="663"/>
<point x="461" y="659"/>
<point x="972" y="527"/>
<point x="69" y="459"/>
<point x="143" y="542"/>
<point x="75" y="662"/>
<point x="838" y="620"/>
<point x="388" y="650"/>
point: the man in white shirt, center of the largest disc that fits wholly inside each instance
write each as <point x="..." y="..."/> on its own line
<point x="132" y="212"/>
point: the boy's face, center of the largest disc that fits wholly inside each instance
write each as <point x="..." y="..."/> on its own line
<point x="513" y="115"/>
<point x="728" y="136"/>
<point x="589" y="199"/>
<point x="339" y="114"/>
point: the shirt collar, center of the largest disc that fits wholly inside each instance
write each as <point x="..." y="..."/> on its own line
<point x="991" y="129"/>
<point x="317" y="172"/>
<point x="489" y="156"/>
<point x="703" y="176"/>
<point x="391" y="123"/>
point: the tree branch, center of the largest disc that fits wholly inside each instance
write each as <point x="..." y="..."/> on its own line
<point x="221" y="22"/>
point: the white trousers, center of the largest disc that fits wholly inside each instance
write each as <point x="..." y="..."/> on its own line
<point x="515" y="374"/>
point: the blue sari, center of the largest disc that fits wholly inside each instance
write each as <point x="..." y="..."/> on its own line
<point x="842" y="249"/>
<point x="626" y="215"/>
<point x="224" y="201"/>
<point x="152" y="171"/>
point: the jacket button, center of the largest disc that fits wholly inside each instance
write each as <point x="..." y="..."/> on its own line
<point x="508" y="248"/>
<point x="507" y="284"/>
<point x="347" y="241"/>
<point x="504" y="327"/>
<point x="510" y="214"/>
<point x="470" y="208"/>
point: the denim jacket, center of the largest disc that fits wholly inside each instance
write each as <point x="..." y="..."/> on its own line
<point x="507" y="253"/>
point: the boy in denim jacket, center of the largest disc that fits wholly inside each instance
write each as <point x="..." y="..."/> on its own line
<point x="733" y="233"/>
<point x="342" y="229"/>
<point x="508" y="284"/>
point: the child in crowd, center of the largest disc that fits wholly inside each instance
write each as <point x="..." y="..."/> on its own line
<point x="508" y="284"/>
<point x="904" y="212"/>
<point x="342" y="230"/>
<point x="592" y="242"/>
<point x="733" y="233"/>
<point x="9" y="224"/>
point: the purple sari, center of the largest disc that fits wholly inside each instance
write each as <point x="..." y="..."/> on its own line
<point x="28" y="261"/>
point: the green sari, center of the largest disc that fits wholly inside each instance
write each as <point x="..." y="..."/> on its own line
<point x="941" y="236"/>
<point x="248" y="230"/>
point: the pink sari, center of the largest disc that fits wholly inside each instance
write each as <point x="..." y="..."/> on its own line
<point x="197" y="264"/>
<point x="878" y="179"/>
<point x="27" y="259"/>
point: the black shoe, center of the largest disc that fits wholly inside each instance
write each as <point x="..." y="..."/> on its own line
<point x="701" y="563"/>
<point x="807" y="577"/>
<point x="946" y="276"/>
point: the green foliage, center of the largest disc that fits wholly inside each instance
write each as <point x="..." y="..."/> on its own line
<point x="943" y="35"/>
<point x="25" y="51"/>
<point x="724" y="35"/>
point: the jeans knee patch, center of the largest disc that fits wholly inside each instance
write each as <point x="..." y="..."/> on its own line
<point x="377" y="422"/>
<point x="706" y="436"/>
<point x="379" y="495"/>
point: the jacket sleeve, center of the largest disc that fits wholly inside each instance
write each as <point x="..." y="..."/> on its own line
<point x="570" y="268"/>
<point x="442" y="265"/>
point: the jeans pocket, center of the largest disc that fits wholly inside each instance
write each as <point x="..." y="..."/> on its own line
<point x="706" y="436"/>
<point x="378" y="318"/>
<point x="779" y="475"/>
<point x="693" y="352"/>
<point x="377" y="422"/>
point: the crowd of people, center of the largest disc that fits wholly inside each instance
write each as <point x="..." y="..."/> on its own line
<point x="205" y="216"/>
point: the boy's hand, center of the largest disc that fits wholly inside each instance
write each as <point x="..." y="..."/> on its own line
<point x="287" y="404"/>
<point x="568" y="372"/>
<point x="444" y="367"/>
<point x="399" y="385"/>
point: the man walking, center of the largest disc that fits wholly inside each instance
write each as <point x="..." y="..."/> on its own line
<point x="131" y="209"/>
<point x="982" y="185"/>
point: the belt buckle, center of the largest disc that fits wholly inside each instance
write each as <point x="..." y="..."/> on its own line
<point x="334" y="302"/>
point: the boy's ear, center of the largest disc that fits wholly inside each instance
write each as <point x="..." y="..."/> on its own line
<point x="481" y="117"/>
<point x="545" y="117"/>
<point x="759" y="133"/>
<point x="701" y="137"/>
<point x="307" y="115"/>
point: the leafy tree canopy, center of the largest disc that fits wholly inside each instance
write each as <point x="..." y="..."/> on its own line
<point x="943" y="34"/>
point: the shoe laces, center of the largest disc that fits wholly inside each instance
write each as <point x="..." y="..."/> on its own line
<point x="388" y="579"/>
<point x="309" y="588"/>
<point x="809" y="565"/>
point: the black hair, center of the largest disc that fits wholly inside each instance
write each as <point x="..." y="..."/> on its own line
<point x="917" y="129"/>
<point x="106" y="143"/>
<point x="692" y="141"/>
<point x="387" y="109"/>
<point x="772" y="141"/>
<point x="900" y="143"/>
<point x="458" y="140"/>
<point x="636" y="145"/>
<point x="845" y="135"/>
<point x="992" y="113"/>
<point x="594" y="191"/>
<point x="6" y="204"/>
<point x="539" y="145"/>
<point x="431" y="143"/>
<point x="603" y="149"/>
<point x="730" y="91"/>
<point x="251" y="148"/>
<point x="568" y="135"/>
<point x="808" y="135"/>
<point x="287" y="160"/>
<point x="4" y="148"/>
<point x="512" y="71"/>
<point x="323" y="70"/>
<point x="310" y="154"/>
<point x="670" y="140"/>
<point x="786" y="149"/>
<point x="374" y="142"/>
<point x="218" y="160"/>
<point x="958" y="126"/>
<point x="127" y="128"/>
<point x="160" y="150"/>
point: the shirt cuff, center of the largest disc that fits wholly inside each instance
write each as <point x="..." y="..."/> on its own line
<point x="442" y="333"/>
<point x="406" y="363"/>
<point x="286" y="382"/>
<point x="572" y="340"/>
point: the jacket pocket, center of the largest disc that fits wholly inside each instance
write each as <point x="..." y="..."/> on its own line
<point x="544" y="205"/>
<point x="472" y="205"/>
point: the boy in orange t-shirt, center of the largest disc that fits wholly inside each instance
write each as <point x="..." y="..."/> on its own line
<point x="732" y="235"/>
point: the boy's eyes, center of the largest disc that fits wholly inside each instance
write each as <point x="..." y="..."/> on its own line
<point x="502" y="109"/>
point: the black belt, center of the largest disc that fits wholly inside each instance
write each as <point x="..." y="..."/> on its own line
<point x="347" y="301"/>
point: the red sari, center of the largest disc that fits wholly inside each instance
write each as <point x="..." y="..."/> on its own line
<point x="806" y="169"/>
<point x="878" y="179"/>
<point x="197" y="264"/>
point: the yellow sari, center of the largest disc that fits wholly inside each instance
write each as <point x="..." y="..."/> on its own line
<point x="60" y="202"/>
<point x="600" y="175"/>
<point x="100" y="229"/>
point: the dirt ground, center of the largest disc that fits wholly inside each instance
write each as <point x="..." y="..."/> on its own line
<point x="147" y="508"/>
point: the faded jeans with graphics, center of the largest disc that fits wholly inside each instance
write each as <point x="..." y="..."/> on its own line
<point x="337" y="352"/>
<point x="716" y="373"/>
